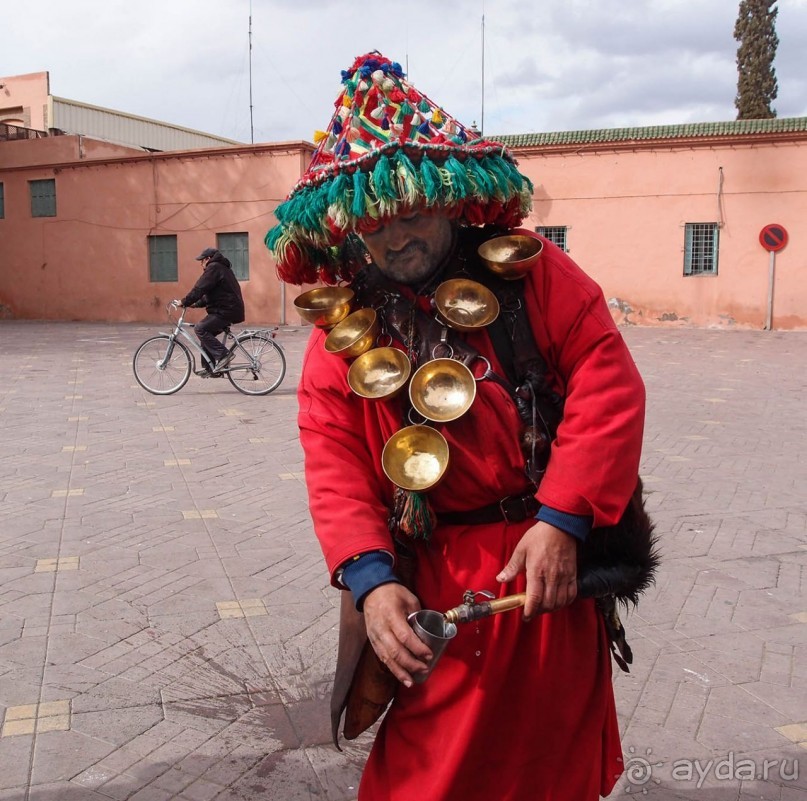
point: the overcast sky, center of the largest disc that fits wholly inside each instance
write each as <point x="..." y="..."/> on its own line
<point x="549" y="65"/>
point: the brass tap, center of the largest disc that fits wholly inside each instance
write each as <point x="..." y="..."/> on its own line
<point x="470" y="610"/>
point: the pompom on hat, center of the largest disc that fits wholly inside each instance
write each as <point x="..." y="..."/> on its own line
<point x="388" y="150"/>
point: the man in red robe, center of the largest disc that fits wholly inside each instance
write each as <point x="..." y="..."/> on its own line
<point x="520" y="706"/>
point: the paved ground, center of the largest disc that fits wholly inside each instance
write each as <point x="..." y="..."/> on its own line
<point x="167" y="629"/>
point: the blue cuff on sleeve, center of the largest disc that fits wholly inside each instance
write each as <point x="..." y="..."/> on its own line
<point x="369" y="571"/>
<point x="576" y="525"/>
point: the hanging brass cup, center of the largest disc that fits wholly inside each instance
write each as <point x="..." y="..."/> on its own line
<point x="379" y="373"/>
<point x="415" y="458"/>
<point x="354" y="335"/>
<point x="442" y="390"/>
<point x="511" y="257"/>
<point x="465" y="305"/>
<point x="324" y="306"/>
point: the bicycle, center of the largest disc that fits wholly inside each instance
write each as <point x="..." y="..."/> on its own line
<point x="256" y="362"/>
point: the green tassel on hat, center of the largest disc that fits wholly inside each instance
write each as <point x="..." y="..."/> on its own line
<point x="459" y="183"/>
<point x="481" y="183"/>
<point x="408" y="182"/>
<point x="431" y="180"/>
<point x="383" y="187"/>
<point x="358" y="207"/>
<point x="493" y="166"/>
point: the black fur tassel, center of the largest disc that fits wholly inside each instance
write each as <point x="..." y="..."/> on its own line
<point x="620" y="560"/>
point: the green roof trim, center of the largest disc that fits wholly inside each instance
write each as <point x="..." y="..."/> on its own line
<point x="655" y="132"/>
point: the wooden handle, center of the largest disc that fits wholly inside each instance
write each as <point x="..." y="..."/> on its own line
<point x="507" y="603"/>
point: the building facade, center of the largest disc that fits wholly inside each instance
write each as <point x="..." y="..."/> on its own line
<point x="26" y="102"/>
<point x="667" y="220"/>
<point x="94" y="231"/>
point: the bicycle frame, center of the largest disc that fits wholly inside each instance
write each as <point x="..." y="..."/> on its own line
<point x="182" y="331"/>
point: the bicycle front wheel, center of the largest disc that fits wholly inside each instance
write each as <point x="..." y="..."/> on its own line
<point x="258" y="365"/>
<point x="162" y="366"/>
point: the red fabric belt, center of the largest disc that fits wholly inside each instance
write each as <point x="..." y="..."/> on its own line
<point x="512" y="509"/>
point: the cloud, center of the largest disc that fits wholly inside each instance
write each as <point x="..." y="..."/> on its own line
<point x="549" y="65"/>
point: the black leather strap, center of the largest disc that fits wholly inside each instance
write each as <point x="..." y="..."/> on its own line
<point x="512" y="509"/>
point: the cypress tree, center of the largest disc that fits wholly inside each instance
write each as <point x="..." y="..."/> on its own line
<point x="756" y="78"/>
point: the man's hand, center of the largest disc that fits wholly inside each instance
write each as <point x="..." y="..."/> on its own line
<point x="396" y="645"/>
<point x="176" y="303"/>
<point x="549" y="558"/>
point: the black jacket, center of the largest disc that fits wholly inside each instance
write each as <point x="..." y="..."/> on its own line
<point x="219" y="286"/>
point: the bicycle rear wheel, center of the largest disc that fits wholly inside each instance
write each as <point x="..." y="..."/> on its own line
<point x="258" y="365"/>
<point x="162" y="366"/>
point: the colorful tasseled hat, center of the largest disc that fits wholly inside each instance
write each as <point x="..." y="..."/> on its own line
<point x="388" y="149"/>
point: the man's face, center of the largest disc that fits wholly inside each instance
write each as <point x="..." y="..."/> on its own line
<point x="204" y="262"/>
<point x="409" y="248"/>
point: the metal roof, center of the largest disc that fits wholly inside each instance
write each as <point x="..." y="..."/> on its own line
<point x="110" y="125"/>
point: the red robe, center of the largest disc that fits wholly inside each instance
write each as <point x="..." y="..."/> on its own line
<point x="514" y="710"/>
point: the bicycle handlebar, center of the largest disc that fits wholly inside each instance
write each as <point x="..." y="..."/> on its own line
<point x="171" y="307"/>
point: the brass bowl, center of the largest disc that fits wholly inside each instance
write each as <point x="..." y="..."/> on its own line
<point x="324" y="306"/>
<point x="511" y="257"/>
<point x="465" y="305"/>
<point x="353" y="335"/>
<point x="379" y="373"/>
<point x="442" y="390"/>
<point x="415" y="458"/>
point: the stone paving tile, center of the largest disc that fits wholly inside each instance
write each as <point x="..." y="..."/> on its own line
<point x="61" y="791"/>
<point x="169" y="701"/>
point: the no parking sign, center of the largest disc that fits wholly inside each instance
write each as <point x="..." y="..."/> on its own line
<point x="773" y="237"/>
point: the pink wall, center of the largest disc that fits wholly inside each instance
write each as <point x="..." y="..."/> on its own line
<point x="91" y="261"/>
<point x="626" y="209"/>
<point x="625" y="206"/>
<point x="59" y="150"/>
<point x="24" y="100"/>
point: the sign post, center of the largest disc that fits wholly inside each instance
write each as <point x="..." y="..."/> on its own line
<point x="773" y="238"/>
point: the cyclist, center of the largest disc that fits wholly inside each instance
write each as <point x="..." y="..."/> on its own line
<point x="219" y="292"/>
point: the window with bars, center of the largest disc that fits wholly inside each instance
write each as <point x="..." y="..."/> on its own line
<point x="43" y="197"/>
<point x="700" y="249"/>
<point x="555" y="234"/>
<point x="235" y="247"/>
<point x="163" y="258"/>
<point x="2" y="201"/>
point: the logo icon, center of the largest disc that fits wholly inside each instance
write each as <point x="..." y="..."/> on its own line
<point x="639" y="771"/>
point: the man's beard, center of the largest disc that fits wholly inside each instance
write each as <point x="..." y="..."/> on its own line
<point x="411" y="265"/>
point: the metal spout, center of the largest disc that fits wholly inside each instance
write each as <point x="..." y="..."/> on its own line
<point x="469" y="610"/>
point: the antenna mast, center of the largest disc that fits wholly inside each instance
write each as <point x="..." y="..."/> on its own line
<point x="482" y="121"/>
<point x="251" y="130"/>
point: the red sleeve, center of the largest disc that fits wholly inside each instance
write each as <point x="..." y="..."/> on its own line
<point x="340" y="438"/>
<point x="595" y="459"/>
